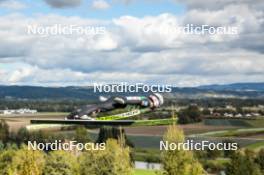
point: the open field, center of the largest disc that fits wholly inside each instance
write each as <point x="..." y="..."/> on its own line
<point x="244" y="132"/>
<point x="17" y="121"/>
<point x="149" y="135"/>
<point x="153" y="142"/>
<point x="160" y="130"/>
<point x="256" y="123"/>
<point x="153" y="127"/>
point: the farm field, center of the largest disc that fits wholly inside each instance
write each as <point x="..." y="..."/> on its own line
<point x="152" y="127"/>
<point x="246" y="132"/>
<point x="17" y="121"/>
<point x="188" y="129"/>
<point x="256" y="123"/>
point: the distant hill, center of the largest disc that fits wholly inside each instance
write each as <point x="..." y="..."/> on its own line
<point x="235" y="87"/>
<point x="35" y="92"/>
<point x="238" y="90"/>
<point x="46" y="93"/>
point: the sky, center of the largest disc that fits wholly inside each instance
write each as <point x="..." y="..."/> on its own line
<point x="134" y="41"/>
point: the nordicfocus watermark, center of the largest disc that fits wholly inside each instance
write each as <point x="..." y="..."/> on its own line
<point x="188" y="29"/>
<point x="192" y="29"/>
<point x="125" y="87"/>
<point x="66" y="146"/>
<point x="191" y="145"/>
<point x="59" y="29"/>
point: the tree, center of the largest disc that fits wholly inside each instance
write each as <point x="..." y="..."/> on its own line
<point x="61" y="162"/>
<point x="81" y="135"/>
<point x="2" y="146"/>
<point x="4" y="131"/>
<point x="213" y="154"/>
<point x="206" y="111"/>
<point x="260" y="159"/>
<point x="22" y="136"/>
<point x="39" y="136"/>
<point x="242" y="165"/>
<point x="106" y="133"/>
<point x="239" y="110"/>
<point x="6" y="158"/>
<point x="229" y="153"/>
<point x="114" y="160"/>
<point x="28" y="162"/>
<point x="178" y="161"/>
<point x="191" y="114"/>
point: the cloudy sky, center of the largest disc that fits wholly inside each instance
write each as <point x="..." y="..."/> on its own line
<point x="139" y="42"/>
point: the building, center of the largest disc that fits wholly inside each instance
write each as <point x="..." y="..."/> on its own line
<point x="18" y="111"/>
<point x="239" y="115"/>
<point x="228" y="115"/>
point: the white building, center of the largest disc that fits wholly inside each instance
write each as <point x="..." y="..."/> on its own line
<point x="18" y="111"/>
<point x="248" y="115"/>
<point x="255" y="114"/>
<point x="228" y="115"/>
<point x="238" y="115"/>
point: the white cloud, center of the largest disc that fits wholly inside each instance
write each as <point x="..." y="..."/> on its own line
<point x="19" y="74"/>
<point x="29" y="75"/>
<point x="218" y="4"/>
<point x="133" y="49"/>
<point x="100" y="4"/>
<point x="12" y="4"/>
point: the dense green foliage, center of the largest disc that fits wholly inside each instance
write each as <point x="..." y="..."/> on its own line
<point x="23" y="161"/>
<point x="178" y="161"/>
<point x="15" y="159"/>
<point x="191" y="114"/>
<point x="61" y="162"/>
<point x="114" y="160"/>
<point x="260" y="160"/>
<point x="81" y="135"/>
<point x="6" y="159"/>
<point x="4" y="131"/>
<point x="106" y="133"/>
<point x="243" y="165"/>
